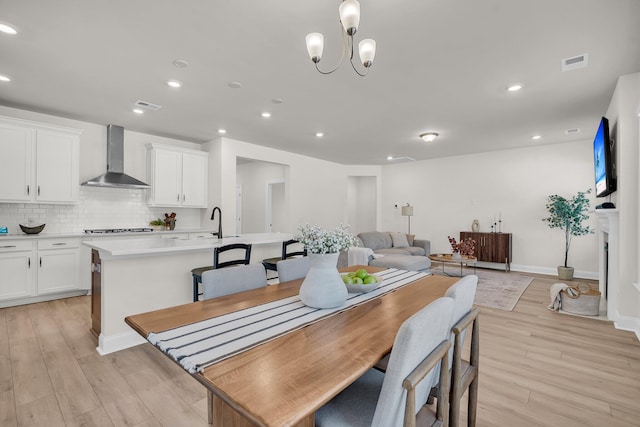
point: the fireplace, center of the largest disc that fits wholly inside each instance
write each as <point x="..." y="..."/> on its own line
<point x="609" y="270"/>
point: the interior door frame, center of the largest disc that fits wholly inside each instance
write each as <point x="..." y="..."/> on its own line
<point x="268" y="209"/>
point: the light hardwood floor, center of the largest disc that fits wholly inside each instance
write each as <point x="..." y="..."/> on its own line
<point x="538" y="368"/>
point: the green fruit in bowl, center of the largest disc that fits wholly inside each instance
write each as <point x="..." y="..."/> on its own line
<point x="362" y="273"/>
<point x="348" y="280"/>
<point x="370" y="279"/>
<point x="358" y="281"/>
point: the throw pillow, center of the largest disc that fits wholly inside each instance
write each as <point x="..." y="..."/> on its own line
<point x="410" y="239"/>
<point x="399" y="240"/>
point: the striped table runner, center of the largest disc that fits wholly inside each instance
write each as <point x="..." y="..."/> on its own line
<point x="204" y="343"/>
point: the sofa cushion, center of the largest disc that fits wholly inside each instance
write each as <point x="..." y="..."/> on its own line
<point x="399" y="240"/>
<point x="376" y="240"/>
<point x="414" y="250"/>
<point x="402" y="262"/>
<point x="394" y="251"/>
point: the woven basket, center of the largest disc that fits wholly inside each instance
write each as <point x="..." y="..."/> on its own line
<point x="583" y="300"/>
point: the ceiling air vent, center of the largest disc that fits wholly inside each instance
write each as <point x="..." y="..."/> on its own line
<point x="575" y="62"/>
<point x="572" y="131"/>
<point x="401" y="159"/>
<point x="148" y="106"/>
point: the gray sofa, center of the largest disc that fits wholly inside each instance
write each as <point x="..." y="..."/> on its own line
<point x="396" y="250"/>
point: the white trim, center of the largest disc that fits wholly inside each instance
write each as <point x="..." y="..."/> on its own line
<point x="41" y="298"/>
<point x="118" y="342"/>
<point x="626" y="323"/>
<point x="578" y="274"/>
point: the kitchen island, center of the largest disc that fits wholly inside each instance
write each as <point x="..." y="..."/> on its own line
<point x="141" y="275"/>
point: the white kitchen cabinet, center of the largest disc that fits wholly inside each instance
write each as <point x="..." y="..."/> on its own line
<point x="39" y="163"/>
<point x="17" y="264"/>
<point x="58" y="265"/>
<point x="178" y="176"/>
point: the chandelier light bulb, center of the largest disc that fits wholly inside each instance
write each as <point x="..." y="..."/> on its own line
<point x="315" y="45"/>
<point x="350" y="16"/>
<point x="367" y="50"/>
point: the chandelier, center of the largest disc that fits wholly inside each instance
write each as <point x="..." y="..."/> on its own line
<point x="350" y="19"/>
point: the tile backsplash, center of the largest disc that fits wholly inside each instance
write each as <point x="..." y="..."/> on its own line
<point x="98" y="208"/>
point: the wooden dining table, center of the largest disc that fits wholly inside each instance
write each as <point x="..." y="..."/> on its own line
<point x="283" y="382"/>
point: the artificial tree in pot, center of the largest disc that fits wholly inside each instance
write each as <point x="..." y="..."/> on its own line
<point x="568" y="215"/>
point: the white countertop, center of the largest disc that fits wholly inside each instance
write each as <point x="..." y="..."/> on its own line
<point x="147" y="247"/>
<point x="79" y="234"/>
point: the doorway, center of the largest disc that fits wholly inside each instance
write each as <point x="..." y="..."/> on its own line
<point x="275" y="206"/>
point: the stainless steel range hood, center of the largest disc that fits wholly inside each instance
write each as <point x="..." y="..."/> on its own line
<point x="115" y="176"/>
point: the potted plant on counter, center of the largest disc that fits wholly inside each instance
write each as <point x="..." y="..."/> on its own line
<point x="157" y="224"/>
<point x="568" y="215"/>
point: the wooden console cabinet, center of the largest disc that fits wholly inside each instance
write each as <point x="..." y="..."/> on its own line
<point x="491" y="247"/>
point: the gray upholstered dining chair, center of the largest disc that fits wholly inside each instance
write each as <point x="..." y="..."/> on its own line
<point x="397" y="397"/>
<point x="243" y="248"/>
<point x="293" y="268"/>
<point x="464" y="374"/>
<point x="226" y="281"/>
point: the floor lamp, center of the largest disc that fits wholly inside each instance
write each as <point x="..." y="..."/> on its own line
<point x="408" y="212"/>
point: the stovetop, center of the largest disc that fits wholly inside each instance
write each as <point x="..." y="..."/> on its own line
<point x="118" y="230"/>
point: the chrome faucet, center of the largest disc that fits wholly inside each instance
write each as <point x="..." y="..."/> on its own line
<point x="213" y="215"/>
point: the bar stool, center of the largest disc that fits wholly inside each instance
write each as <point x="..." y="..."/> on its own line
<point x="271" y="263"/>
<point x="196" y="273"/>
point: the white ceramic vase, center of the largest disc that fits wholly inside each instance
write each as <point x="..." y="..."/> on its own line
<point x="456" y="256"/>
<point x="323" y="287"/>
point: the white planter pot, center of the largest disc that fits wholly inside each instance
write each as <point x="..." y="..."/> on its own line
<point x="565" y="273"/>
<point x="323" y="287"/>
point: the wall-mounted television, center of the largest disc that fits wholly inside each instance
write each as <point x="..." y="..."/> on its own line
<point x="603" y="160"/>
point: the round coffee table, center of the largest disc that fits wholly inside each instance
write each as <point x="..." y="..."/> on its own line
<point x="448" y="259"/>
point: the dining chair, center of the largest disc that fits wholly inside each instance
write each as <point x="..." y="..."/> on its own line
<point x="296" y="251"/>
<point x="293" y="268"/>
<point x="244" y="259"/>
<point x="397" y="397"/>
<point x="226" y="281"/>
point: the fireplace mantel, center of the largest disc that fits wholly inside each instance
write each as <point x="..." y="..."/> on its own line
<point x="609" y="261"/>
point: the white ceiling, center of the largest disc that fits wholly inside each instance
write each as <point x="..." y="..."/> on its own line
<point x="441" y="65"/>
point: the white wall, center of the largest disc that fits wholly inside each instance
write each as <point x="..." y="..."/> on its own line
<point x="623" y="120"/>
<point x="316" y="192"/>
<point x="362" y="204"/>
<point x="254" y="176"/>
<point x="448" y="194"/>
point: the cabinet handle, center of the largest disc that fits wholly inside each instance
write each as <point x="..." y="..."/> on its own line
<point x="8" y="246"/>
<point x="40" y="261"/>
<point x="183" y="198"/>
<point x="29" y="262"/>
<point x="178" y="197"/>
<point x="59" y="244"/>
<point x="27" y="189"/>
<point x="38" y="190"/>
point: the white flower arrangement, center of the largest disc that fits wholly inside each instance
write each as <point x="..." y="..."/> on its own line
<point x="318" y="240"/>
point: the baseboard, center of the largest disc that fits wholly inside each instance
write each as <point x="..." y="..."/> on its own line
<point x="578" y="274"/>
<point x="41" y="298"/>
<point x="118" y="342"/>
<point x="628" y="324"/>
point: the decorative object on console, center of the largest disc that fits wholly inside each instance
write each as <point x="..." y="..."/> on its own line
<point x="475" y="226"/>
<point x="349" y="19"/>
<point x="568" y="215"/>
<point x="322" y="286"/>
<point x="464" y="247"/>
<point x="408" y="212"/>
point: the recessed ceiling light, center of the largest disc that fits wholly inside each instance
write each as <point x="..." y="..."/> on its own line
<point x="429" y="136"/>
<point x="180" y="63"/>
<point x="536" y="137"/>
<point x="235" y="85"/>
<point x="319" y="134"/>
<point x="4" y="78"/>
<point x="174" y="83"/>
<point x="389" y="157"/>
<point x="138" y="111"/>
<point x="7" y="29"/>
<point x="277" y="100"/>
<point x="514" y="87"/>
<point x="222" y="131"/>
<point x="266" y="115"/>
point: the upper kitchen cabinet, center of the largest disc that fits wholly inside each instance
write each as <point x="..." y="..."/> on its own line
<point x="39" y="163"/>
<point x="178" y="176"/>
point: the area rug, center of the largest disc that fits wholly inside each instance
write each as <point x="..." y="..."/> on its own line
<point x="496" y="289"/>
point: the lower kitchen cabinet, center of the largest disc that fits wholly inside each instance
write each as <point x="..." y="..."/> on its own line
<point x="38" y="270"/>
<point x="58" y="265"/>
<point x="17" y="264"/>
